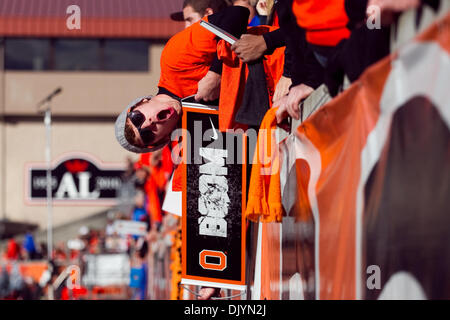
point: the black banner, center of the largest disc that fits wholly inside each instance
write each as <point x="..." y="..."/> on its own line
<point x="214" y="237"/>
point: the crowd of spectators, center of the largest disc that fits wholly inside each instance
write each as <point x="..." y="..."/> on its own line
<point x="144" y="183"/>
<point x="284" y="51"/>
<point x="302" y="45"/>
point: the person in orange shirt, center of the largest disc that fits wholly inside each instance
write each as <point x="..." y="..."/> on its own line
<point x="159" y="167"/>
<point x="194" y="11"/>
<point x="147" y="123"/>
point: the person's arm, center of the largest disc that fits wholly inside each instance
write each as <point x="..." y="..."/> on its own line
<point x="314" y="72"/>
<point x="274" y="40"/>
<point x="288" y="61"/>
<point x="206" y="293"/>
<point x="305" y="69"/>
<point x="216" y="65"/>
<point x="249" y="47"/>
<point x="209" y="85"/>
<point x="388" y="9"/>
<point x="233" y="20"/>
<point x="285" y="82"/>
<point x="356" y="12"/>
<point x="296" y="47"/>
<point x="252" y="47"/>
<point x="295" y="40"/>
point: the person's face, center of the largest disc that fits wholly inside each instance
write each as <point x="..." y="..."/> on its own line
<point x="190" y="16"/>
<point x="155" y="119"/>
<point x="139" y="200"/>
<point x="141" y="175"/>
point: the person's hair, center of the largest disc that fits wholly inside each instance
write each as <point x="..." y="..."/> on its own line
<point x="129" y="132"/>
<point x="249" y="2"/>
<point x="200" y="6"/>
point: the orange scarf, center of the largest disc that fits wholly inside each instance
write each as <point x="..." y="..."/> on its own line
<point x="264" y="195"/>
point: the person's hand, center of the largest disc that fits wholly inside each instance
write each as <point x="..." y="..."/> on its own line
<point x="152" y="235"/>
<point x="281" y="103"/>
<point x="291" y="106"/>
<point x="388" y="8"/>
<point x="282" y="88"/>
<point x="249" y="47"/>
<point x="208" y="87"/>
<point x="394" y="5"/>
<point x="261" y="8"/>
<point x="207" y="293"/>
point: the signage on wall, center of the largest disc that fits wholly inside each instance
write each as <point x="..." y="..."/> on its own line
<point x="77" y="178"/>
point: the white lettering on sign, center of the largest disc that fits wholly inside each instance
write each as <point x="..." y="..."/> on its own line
<point x="40" y="183"/>
<point x="213" y="186"/>
<point x="108" y="183"/>
<point x="67" y="185"/>
<point x="217" y="161"/>
<point x="73" y="22"/>
<point x="84" y="193"/>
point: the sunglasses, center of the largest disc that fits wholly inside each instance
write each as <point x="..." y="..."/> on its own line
<point x="137" y="119"/>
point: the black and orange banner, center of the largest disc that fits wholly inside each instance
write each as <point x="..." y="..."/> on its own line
<point x="213" y="221"/>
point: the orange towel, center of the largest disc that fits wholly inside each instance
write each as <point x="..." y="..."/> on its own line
<point x="264" y="195"/>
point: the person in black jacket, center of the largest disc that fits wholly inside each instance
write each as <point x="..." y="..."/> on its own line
<point x="351" y="56"/>
<point x="369" y="41"/>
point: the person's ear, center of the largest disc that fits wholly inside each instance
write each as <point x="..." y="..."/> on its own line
<point x="209" y="11"/>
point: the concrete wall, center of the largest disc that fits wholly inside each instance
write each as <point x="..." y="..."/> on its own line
<point x="84" y="93"/>
<point x="84" y="121"/>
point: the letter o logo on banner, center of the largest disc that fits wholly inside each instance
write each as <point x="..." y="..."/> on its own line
<point x="214" y="254"/>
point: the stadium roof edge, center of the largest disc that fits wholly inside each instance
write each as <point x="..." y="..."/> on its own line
<point x="99" y="18"/>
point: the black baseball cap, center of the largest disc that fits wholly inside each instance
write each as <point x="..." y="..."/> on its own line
<point x="177" y="16"/>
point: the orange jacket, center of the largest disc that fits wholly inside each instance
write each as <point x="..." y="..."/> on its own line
<point x="156" y="181"/>
<point x="325" y="21"/>
<point x="234" y="76"/>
